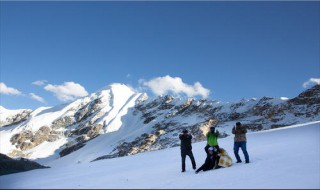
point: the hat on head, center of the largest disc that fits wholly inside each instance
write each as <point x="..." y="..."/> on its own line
<point x="238" y="124"/>
<point x="185" y="131"/>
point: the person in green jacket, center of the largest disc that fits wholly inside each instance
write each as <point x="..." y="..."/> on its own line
<point x="212" y="139"/>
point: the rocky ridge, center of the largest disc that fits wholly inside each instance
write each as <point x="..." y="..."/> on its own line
<point x="13" y="117"/>
<point x="164" y="116"/>
<point x="162" y="119"/>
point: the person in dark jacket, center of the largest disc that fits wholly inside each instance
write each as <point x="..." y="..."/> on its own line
<point x="211" y="160"/>
<point x="240" y="141"/>
<point x="186" y="149"/>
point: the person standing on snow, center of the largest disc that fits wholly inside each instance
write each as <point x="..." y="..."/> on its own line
<point x="186" y="149"/>
<point x="240" y="141"/>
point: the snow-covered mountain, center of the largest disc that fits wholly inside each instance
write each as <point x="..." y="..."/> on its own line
<point x="11" y="117"/>
<point x="283" y="158"/>
<point x="116" y="121"/>
<point x="51" y="129"/>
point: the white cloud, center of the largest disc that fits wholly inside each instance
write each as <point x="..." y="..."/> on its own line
<point x="311" y="81"/>
<point x="166" y="84"/>
<point x="36" y="97"/>
<point x="4" y="89"/>
<point x="39" y="82"/>
<point x="67" y="91"/>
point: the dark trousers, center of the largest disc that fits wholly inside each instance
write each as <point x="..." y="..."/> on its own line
<point x="207" y="166"/>
<point x="243" y="146"/>
<point x="184" y="154"/>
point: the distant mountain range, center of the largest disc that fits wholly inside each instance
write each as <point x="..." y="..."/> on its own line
<point x="116" y="121"/>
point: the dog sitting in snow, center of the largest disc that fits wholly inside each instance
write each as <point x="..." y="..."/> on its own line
<point x="225" y="160"/>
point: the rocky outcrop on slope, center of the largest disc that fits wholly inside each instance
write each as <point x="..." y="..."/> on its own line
<point x="309" y="97"/>
<point x="164" y="135"/>
<point x="62" y="122"/>
<point x="72" y="148"/>
<point x="81" y="136"/>
<point x="28" y="139"/>
<point x="308" y="100"/>
<point x="168" y="121"/>
<point x="16" y="118"/>
<point x="88" y="110"/>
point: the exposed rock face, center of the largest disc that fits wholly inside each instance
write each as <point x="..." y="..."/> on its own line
<point x="16" y="119"/>
<point x="87" y="110"/>
<point x="256" y="115"/>
<point x="308" y="100"/>
<point x="28" y="139"/>
<point x="82" y="135"/>
<point x="262" y="106"/>
<point x="309" y="97"/>
<point x="254" y="127"/>
<point x="89" y="131"/>
<point x="9" y="165"/>
<point x="21" y="137"/>
<point x="160" y="138"/>
<point x="41" y="135"/>
<point x="140" y="144"/>
<point x="62" y="122"/>
<point x="71" y="149"/>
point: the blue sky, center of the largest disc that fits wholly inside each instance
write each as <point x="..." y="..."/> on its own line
<point x="220" y="50"/>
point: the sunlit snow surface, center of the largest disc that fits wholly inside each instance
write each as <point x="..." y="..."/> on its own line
<point x="281" y="158"/>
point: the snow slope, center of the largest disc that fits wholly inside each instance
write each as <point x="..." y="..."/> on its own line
<point x="286" y="157"/>
<point x="114" y="102"/>
<point x="5" y="113"/>
<point x="8" y="117"/>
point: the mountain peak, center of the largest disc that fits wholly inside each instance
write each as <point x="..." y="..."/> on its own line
<point x="3" y="109"/>
<point x="116" y="86"/>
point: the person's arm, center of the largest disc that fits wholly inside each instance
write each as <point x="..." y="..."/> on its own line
<point x="207" y="136"/>
<point x="217" y="133"/>
<point x="244" y="129"/>
<point x="233" y="130"/>
<point x="237" y="130"/>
